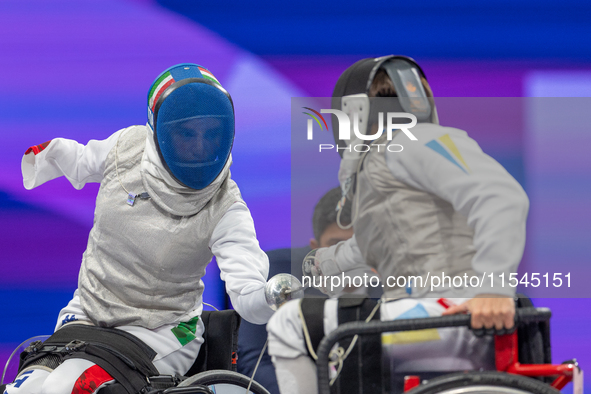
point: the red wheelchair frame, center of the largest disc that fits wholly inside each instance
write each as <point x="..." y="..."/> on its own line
<point x="506" y="347"/>
<point x="507" y="356"/>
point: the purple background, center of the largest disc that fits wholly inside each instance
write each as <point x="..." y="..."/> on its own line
<point x="81" y="70"/>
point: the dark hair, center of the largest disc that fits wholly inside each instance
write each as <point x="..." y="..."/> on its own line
<point x="382" y="86"/>
<point x="325" y="212"/>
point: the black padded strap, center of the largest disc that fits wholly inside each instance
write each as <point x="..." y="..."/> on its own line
<point x="533" y="338"/>
<point x="122" y="355"/>
<point x="220" y="344"/>
<point x="118" y="342"/>
<point x="313" y="319"/>
<point x="115" y="388"/>
<point x="128" y="375"/>
<point x="362" y="370"/>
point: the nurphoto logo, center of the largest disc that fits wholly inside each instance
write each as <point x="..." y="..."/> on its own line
<point x="345" y="128"/>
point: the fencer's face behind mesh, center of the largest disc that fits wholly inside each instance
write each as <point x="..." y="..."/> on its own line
<point x="194" y="131"/>
<point x="196" y="141"/>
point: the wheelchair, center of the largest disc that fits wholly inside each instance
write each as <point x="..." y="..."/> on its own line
<point x="515" y="374"/>
<point x="214" y="369"/>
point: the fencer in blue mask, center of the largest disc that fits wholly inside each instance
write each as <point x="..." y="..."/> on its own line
<point x="166" y="205"/>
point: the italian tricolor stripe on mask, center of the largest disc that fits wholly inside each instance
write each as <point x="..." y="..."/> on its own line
<point x="208" y="75"/>
<point x="159" y="86"/>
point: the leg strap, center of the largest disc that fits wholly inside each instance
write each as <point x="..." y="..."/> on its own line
<point x="120" y="354"/>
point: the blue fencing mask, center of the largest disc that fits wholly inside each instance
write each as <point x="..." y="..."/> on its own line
<point x="192" y="118"/>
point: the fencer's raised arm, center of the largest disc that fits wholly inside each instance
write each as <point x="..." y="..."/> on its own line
<point x="446" y="162"/>
<point x="80" y="164"/>
<point x="243" y="265"/>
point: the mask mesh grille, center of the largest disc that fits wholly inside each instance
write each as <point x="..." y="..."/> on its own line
<point x="195" y="131"/>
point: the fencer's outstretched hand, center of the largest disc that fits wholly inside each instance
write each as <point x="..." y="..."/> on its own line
<point x="489" y="311"/>
<point x="311" y="265"/>
<point x="311" y="268"/>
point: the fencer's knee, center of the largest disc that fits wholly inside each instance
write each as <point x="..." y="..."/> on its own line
<point x="283" y="314"/>
<point x="57" y="383"/>
<point x="285" y="333"/>
<point x="296" y="375"/>
<point x="285" y="319"/>
<point x="76" y="376"/>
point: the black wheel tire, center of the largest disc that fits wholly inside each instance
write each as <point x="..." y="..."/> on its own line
<point x="219" y="376"/>
<point x="470" y="382"/>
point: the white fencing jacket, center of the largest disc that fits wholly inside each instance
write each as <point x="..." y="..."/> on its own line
<point x="440" y="206"/>
<point x="144" y="263"/>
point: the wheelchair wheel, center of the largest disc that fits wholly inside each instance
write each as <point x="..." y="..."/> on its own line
<point x="224" y="382"/>
<point x="488" y="382"/>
